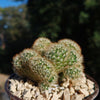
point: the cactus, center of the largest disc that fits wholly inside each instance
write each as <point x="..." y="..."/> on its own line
<point x="57" y="53"/>
<point x="74" y="57"/>
<point x="46" y="60"/>
<point x="26" y="54"/>
<point x="31" y="65"/>
<point x="20" y="63"/>
<point x="17" y="65"/>
<point x="41" y="44"/>
<point x="71" y="44"/>
<point x="61" y="56"/>
<point x="72" y="72"/>
<point x="43" y="69"/>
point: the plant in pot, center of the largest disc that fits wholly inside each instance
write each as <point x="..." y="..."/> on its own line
<point x="50" y="71"/>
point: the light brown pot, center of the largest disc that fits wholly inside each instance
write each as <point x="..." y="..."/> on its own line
<point x="90" y="97"/>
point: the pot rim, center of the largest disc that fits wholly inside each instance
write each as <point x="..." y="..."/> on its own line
<point x="90" y="97"/>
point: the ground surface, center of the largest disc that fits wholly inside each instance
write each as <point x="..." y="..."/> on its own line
<point x="3" y="95"/>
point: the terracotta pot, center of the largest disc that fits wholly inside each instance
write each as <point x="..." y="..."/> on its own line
<point x="90" y="97"/>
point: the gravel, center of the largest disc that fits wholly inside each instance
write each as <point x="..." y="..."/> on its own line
<point x="69" y="90"/>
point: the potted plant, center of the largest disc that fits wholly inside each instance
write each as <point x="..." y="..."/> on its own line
<point x="50" y="71"/>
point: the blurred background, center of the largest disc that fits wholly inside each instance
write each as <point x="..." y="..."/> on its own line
<point x="22" y="21"/>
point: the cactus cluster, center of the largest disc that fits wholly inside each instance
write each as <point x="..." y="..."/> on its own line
<point x="44" y="61"/>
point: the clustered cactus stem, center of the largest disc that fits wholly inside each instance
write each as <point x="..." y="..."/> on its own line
<point x="44" y="62"/>
<point x="71" y="44"/>
<point x="41" y="44"/>
<point x="43" y="69"/>
<point x="62" y="56"/>
<point x="72" y="72"/>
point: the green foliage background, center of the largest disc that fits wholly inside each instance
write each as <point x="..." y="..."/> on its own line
<point x="55" y="19"/>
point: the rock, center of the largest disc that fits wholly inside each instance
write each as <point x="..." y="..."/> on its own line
<point x="77" y="97"/>
<point x="55" y="96"/>
<point x="72" y="91"/>
<point x="66" y="84"/>
<point x="90" y="84"/>
<point x="40" y="97"/>
<point x="66" y="95"/>
<point x="84" y="91"/>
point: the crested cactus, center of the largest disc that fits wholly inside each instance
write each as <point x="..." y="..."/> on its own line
<point x="46" y="60"/>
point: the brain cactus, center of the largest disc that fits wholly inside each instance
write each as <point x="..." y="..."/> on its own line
<point x="44" y="62"/>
